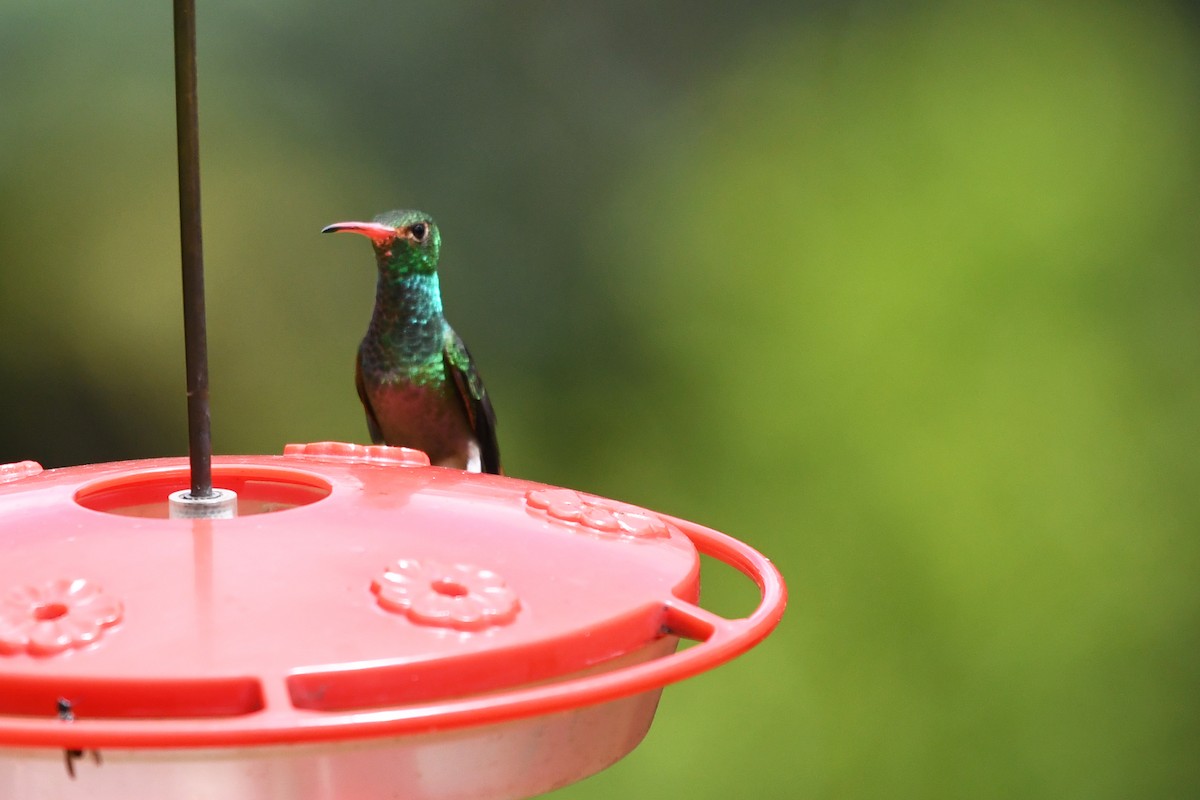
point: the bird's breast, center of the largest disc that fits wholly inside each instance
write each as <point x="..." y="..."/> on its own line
<point x="428" y="416"/>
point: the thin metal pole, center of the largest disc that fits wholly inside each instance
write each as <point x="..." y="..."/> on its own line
<point x="187" y="131"/>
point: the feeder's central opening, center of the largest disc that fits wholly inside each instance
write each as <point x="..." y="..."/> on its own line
<point x="260" y="490"/>
<point x="449" y="587"/>
<point x="49" y="611"/>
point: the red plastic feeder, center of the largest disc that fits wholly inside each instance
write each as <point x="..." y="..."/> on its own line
<point x="367" y="627"/>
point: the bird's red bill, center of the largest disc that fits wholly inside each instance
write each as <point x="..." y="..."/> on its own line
<point x="376" y="232"/>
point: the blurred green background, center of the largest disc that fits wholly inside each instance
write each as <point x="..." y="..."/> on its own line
<point x="906" y="295"/>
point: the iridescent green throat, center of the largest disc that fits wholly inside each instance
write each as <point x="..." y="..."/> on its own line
<point x="407" y="333"/>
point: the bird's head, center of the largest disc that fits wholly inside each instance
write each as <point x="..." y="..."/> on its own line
<point x="406" y="242"/>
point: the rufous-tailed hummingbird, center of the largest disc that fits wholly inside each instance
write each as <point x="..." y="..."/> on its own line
<point x="417" y="382"/>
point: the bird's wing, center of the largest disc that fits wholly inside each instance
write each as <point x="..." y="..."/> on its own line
<point x="480" y="415"/>
<point x="372" y="422"/>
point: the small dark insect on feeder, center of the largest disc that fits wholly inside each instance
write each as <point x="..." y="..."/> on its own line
<point x="67" y="714"/>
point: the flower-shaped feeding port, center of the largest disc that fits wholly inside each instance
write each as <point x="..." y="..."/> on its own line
<point x="18" y="470"/>
<point x="55" y="616"/>
<point x="458" y="596"/>
<point x="600" y="516"/>
<point x="348" y="453"/>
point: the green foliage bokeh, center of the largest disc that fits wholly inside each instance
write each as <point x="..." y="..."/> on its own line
<point x="903" y="294"/>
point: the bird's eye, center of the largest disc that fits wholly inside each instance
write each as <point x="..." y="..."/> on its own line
<point x="419" y="231"/>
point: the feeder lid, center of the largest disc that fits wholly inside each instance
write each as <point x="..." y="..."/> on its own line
<point x="360" y="591"/>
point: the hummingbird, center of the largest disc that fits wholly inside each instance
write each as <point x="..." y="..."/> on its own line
<point x="417" y="381"/>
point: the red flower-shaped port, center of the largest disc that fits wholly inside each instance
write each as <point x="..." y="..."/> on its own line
<point x="18" y="470"/>
<point x="55" y="616"/>
<point x="458" y="596"/>
<point x="601" y="516"/>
